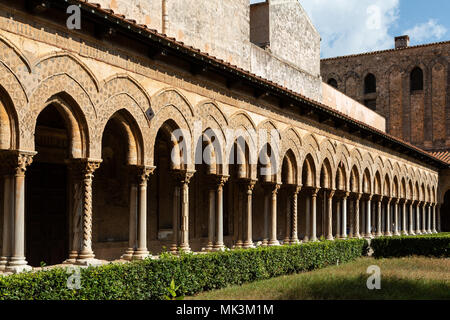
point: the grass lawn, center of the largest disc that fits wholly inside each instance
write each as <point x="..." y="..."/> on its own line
<point x="401" y="278"/>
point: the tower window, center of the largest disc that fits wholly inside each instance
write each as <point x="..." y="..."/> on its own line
<point x="332" y="82"/>
<point x="370" y="84"/>
<point x="416" y="79"/>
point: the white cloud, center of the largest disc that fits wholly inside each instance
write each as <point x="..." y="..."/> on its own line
<point x="353" y="26"/>
<point x="426" y="31"/>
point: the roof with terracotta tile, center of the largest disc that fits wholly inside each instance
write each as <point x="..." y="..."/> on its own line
<point x="387" y="51"/>
<point x="443" y="155"/>
<point x="179" y="46"/>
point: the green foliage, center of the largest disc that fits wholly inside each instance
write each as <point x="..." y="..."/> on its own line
<point x="193" y="273"/>
<point x="434" y="245"/>
<point x="172" y="289"/>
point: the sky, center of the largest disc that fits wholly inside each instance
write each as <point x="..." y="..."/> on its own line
<point x="356" y="26"/>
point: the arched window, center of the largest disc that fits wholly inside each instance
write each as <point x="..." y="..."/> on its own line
<point x="416" y="79"/>
<point x="370" y="84"/>
<point x="332" y="82"/>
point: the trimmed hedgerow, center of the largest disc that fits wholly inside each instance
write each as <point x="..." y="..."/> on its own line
<point x="434" y="245"/>
<point x="193" y="273"/>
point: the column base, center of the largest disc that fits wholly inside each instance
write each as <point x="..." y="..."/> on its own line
<point x="265" y="243"/>
<point x="173" y="248"/>
<point x="219" y="247"/>
<point x="274" y="243"/>
<point x="418" y="232"/>
<point x="89" y="262"/>
<point x="388" y="234"/>
<point x="404" y="233"/>
<point x="3" y="263"/>
<point x="368" y="236"/>
<point x="184" y="248"/>
<point x="379" y="234"/>
<point x="70" y="261"/>
<point x="397" y="233"/>
<point x="330" y="238"/>
<point x="295" y="241"/>
<point x="412" y="233"/>
<point x="248" y="245"/>
<point x="141" y="255"/>
<point x="435" y="231"/>
<point x="287" y="241"/>
<point x="18" y="268"/>
<point x="128" y="255"/>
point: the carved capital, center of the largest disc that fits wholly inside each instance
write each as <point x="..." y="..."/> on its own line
<point x="15" y="161"/>
<point x="144" y="173"/>
<point x="183" y="177"/>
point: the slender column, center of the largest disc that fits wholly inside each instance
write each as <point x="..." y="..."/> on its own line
<point x="418" y="218"/>
<point x="404" y="228"/>
<point x="175" y="218"/>
<point x="142" y="251"/>
<point x="368" y="218"/>
<point x="86" y="256"/>
<point x="288" y="220"/>
<point x="211" y="219"/>
<point x="429" y="219"/>
<point x="351" y="218"/>
<point x="7" y="220"/>
<point x="411" y="218"/>
<point x="240" y="214"/>
<point x="330" y="215"/>
<point x="396" y="216"/>
<point x="273" y="230"/>
<point x="185" y="178"/>
<point x="294" y="238"/>
<point x="424" y="218"/>
<point x="308" y="231"/>
<point x="249" y="232"/>
<point x="265" y="241"/>
<point x="357" y="199"/>
<point x="17" y="263"/>
<point x="434" y="218"/>
<point x="313" y="236"/>
<point x="362" y="217"/>
<point x="388" y="218"/>
<point x="219" y="244"/>
<point x="132" y="231"/>
<point x="379" y="209"/>
<point x="338" y="219"/>
<point x="344" y="216"/>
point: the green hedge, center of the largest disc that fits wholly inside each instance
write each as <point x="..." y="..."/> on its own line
<point x="149" y="279"/>
<point x="434" y="245"/>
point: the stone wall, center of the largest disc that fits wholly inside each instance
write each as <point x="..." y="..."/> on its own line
<point x="420" y="117"/>
<point x="352" y="108"/>
<point x="293" y="37"/>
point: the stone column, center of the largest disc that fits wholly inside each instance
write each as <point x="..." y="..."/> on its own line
<point x="211" y="219"/>
<point x="396" y="216"/>
<point x="362" y="217"/>
<point x="175" y="218"/>
<point x="434" y="218"/>
<point x="288" y="220"/>
<point x="273" y="241"/>
<point x="330" y="215"/>
<point x="8" y="198"/>
<point x="351" y="218"/>
<point x="308" y="229"/>
<point x="388" y="218"/>
<point x="429" y="230"/>
<point x="344" y="216"/>
<point x="357" y="199"/>
<point x="185" y="177"/>
<point x="418" y="231"/>
<point x="219" y="244"/>
<point x="368" y="218"/>
<point x="17" y="262"/>
<point x="338" y="218"/>
<point x="265" y="241"/>
<point x="411" y="218"/>
<point x="424" y="218"/>
<point x="142" y="251"/>
<point x="404" y="228"/>
<point x="313" y="236"/>
<point x="294" y="238"/>
<point x="249" y="231"/>
<point x="379" y="213"/>
<point x="132" y="231"/>
<point x="86" y="255"/>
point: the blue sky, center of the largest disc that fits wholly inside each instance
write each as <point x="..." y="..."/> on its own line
<point x="356" y="26"/>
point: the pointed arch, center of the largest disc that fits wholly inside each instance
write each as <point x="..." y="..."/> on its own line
<point x="309" y="169"/>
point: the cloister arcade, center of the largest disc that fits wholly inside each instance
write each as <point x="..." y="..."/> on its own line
<point x="97" y="165"/>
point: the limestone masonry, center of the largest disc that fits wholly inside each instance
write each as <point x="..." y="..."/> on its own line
<point x="101" y="130"/>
